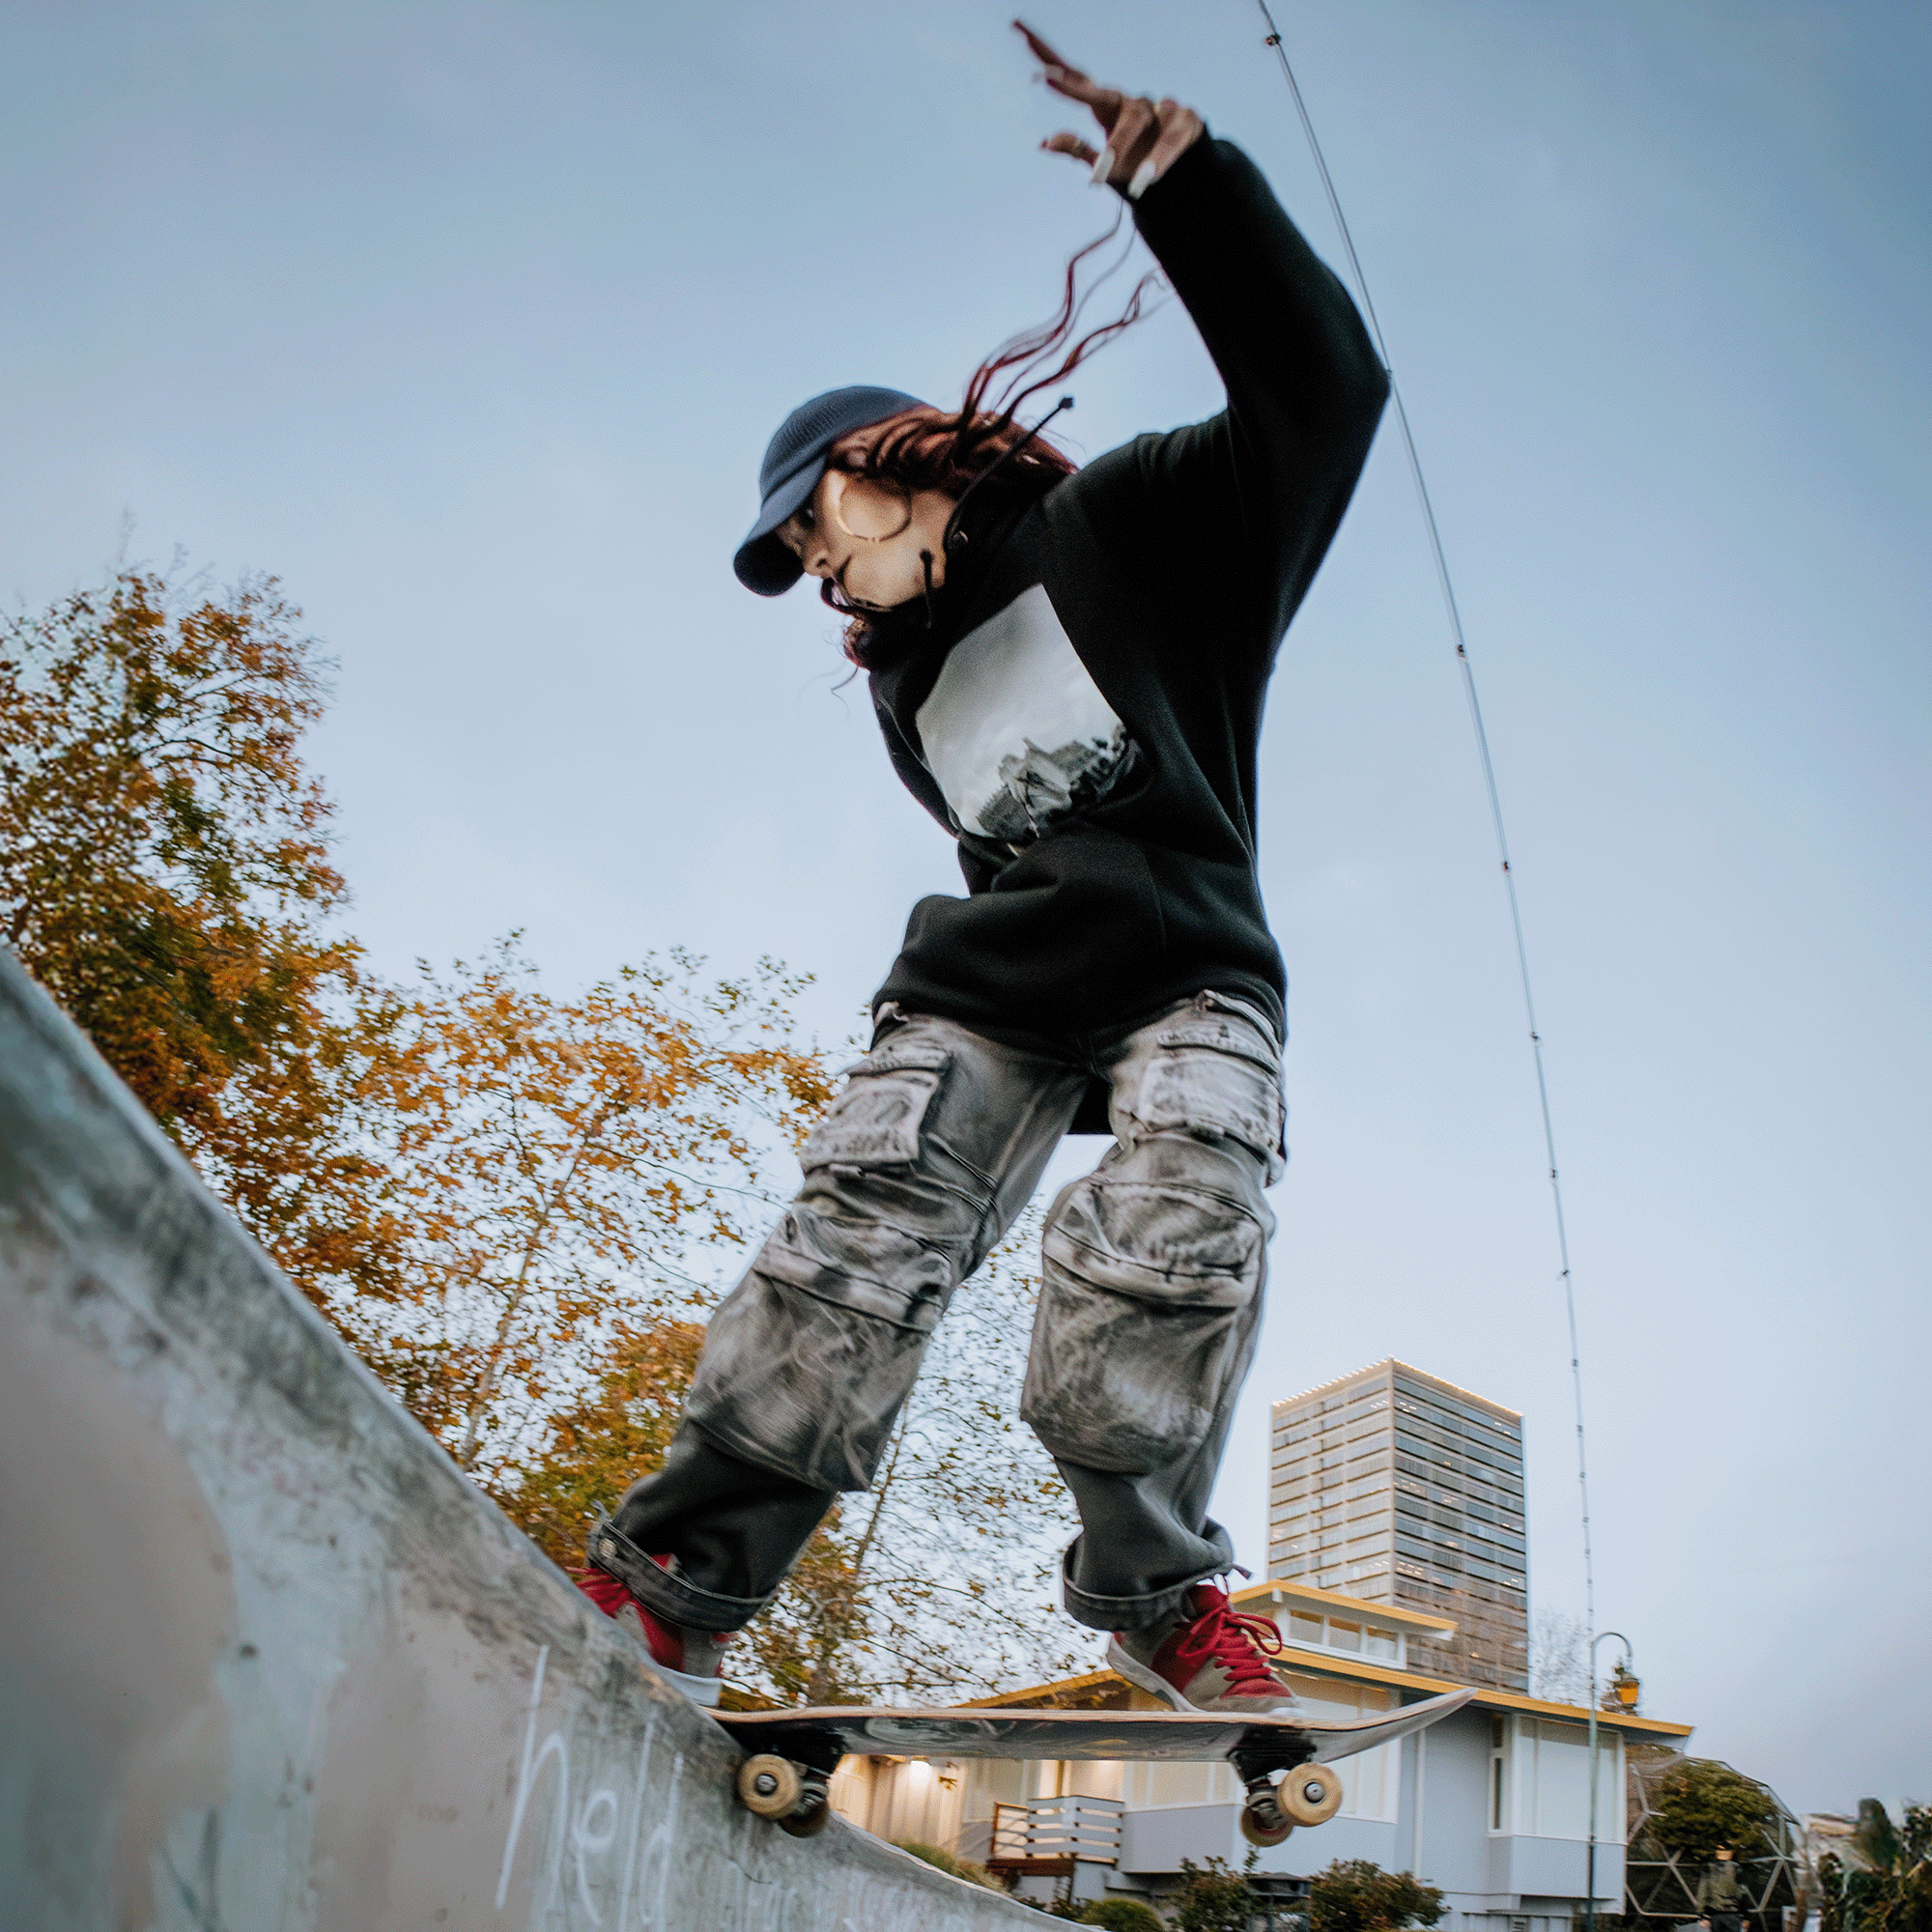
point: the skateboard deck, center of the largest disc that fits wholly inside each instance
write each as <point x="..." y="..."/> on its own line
<point x="792" y="1754"/>
<point x="1080" y="1734"/>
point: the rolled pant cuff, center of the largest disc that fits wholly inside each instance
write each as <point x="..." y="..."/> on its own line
<point x="1136" y="1612"/>
<point x="664" y="1594"/>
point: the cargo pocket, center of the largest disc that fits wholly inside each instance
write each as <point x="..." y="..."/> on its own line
<point x="1149" y="1303"/>
<point x="876" y="1121"/>
<point x="1213" y="1076"/>
<point x="808" y="1360"/>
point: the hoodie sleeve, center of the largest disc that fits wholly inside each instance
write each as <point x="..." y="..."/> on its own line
<point x="1252" y="498"/>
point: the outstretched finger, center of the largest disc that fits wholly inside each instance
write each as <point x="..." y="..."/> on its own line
<point x="1064" y="79"/>
<point x="1105" y="102"/>
<point x="1042" y="52"/>
<point x="1071" y="144"/>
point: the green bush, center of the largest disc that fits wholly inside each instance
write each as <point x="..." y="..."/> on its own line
<point x="1123" y="1914"/>
<point x="1893" y="1893"/>
<point x="1356" y="1895"/>
<point x="1216" y="1897"/>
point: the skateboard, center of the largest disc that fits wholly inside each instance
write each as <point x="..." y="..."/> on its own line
<point x="792" y="1754"/>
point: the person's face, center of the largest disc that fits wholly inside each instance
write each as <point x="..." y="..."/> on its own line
<point x="867" y="537"/>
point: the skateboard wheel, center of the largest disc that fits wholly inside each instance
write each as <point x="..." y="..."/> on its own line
<point x="1262" y="1822"/>
<point x="770" y="1785"/>
<point x="1311" y="1794"/>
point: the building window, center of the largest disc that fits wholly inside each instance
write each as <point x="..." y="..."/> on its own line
<point x="1317" y="1633"/>
<point x="1499" y="1773"/>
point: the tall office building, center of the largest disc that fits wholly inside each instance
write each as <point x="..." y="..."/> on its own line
<point x="1397" y="1488"/>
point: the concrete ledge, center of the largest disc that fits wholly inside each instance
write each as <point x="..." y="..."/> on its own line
<point x="267" y="1660"/>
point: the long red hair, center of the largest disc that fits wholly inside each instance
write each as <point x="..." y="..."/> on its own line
<point x="982" y="441"/>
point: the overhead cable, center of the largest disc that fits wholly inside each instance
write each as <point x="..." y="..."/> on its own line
<point x="1468" y="674"/>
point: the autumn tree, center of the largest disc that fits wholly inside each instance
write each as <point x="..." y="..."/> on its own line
<point x="560" y="1177"/>
<point x="618" y="1428"/>
<point x="164" y="873"/>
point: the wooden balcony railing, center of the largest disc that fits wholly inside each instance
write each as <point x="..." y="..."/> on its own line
<point x="1049" y="1837"/>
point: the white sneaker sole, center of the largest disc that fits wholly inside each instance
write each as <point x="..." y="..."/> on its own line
<point x="705" y="1691"/>
<point x="1143" y="1678"/>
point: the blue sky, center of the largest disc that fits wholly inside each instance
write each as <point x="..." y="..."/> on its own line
<point x="470" y="321"/>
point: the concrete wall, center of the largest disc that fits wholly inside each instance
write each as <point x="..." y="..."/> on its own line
<point x="267" y="1663"/>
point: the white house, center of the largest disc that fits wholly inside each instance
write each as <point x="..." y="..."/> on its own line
<point x="1493" y="1805"/>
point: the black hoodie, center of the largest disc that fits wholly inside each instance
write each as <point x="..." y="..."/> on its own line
<point x="1084" y="713"/>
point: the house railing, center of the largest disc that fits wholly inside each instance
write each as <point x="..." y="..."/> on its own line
<point x="1050" y="1836"/>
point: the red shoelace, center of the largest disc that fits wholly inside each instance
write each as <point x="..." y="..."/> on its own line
<point x="1241" y="1644"/>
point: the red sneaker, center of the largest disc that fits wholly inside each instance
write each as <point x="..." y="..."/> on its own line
<point x="693" y="1660"/>
<point x="1212" y="1659"/>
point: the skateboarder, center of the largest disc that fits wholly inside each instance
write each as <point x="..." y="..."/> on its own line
<point x="1068" y="669"/>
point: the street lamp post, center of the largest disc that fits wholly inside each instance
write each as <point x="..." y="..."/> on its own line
<point x="1626" y="1686"/>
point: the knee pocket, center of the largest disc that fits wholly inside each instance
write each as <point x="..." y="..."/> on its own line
<point x="1149" y="1304"/>
<point x="808" y="1360"/>
<point x="869" y="1266"/>
<point x="794" y="1382"/>
<point x="1155" y="1243"/>
<point x="1172" y="1220"/>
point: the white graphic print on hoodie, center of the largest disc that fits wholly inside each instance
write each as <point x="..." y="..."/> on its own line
<point x="1015" y="730"/>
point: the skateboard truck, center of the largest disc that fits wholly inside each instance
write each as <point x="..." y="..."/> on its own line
<point x="1310" y="1794"/>
<point x="792" y="1785"/>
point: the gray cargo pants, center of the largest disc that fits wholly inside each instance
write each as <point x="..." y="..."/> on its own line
<point x="1151" y="1297"/>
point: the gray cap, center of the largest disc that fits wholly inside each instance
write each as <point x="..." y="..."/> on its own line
<point x="794" y="461"/>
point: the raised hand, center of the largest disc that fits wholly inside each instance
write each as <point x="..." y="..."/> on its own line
<point x="1143" y="138"/>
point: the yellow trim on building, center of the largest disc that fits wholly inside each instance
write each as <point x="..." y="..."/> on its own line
<point x="1323" y="1663"/>
<point x="1047" y="1694"/>
<point x="1352" y="1608"/>
<point x="1326" y="1663"/>
<point x="1095" y="1685"/>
